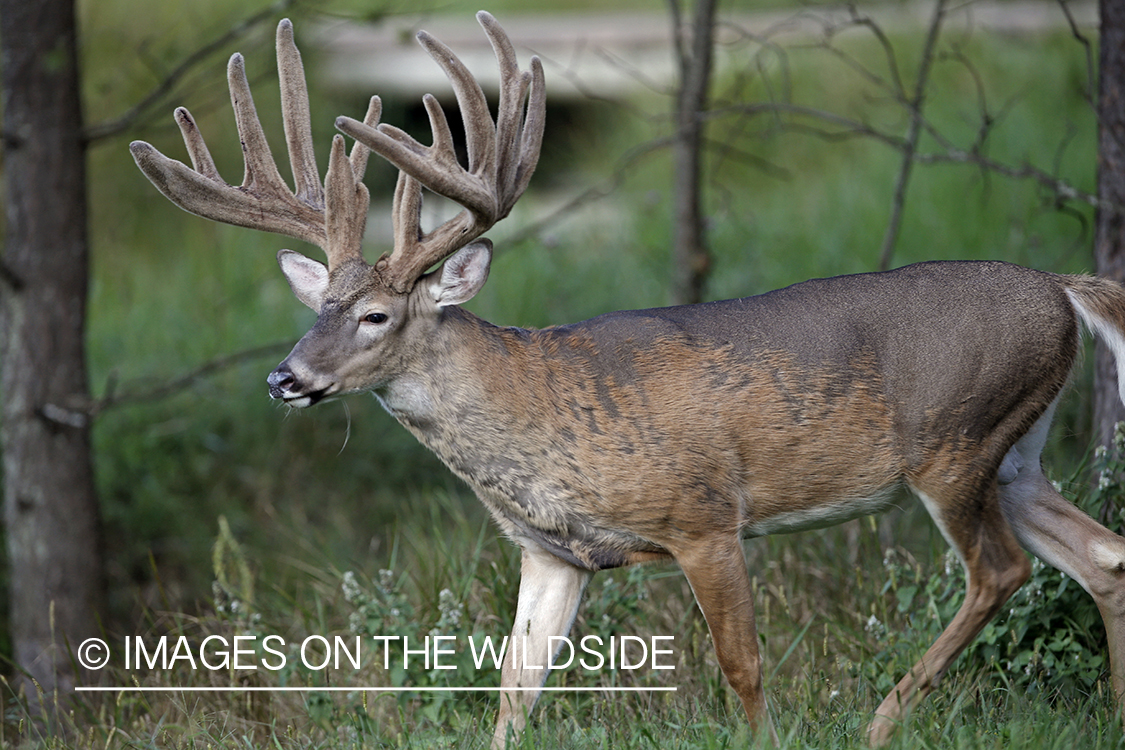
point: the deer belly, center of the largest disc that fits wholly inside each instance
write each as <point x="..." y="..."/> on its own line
<point x="763" y="519"/>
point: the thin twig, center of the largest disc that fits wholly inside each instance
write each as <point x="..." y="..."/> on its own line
<point x="1091" y="68"/>
<point x="885" y="44"/>
<point x="725" y="150"/>
<point x="678" y="33"/>
<point x="895" y="88"/>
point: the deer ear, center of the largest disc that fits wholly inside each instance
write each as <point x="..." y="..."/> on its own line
<point x="463" y="275"/>
<point x="307" y="278"/>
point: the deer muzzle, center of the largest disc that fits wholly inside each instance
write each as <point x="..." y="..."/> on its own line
<point x="286" y="386"/>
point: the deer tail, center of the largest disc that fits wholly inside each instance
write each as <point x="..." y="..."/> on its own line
<point x="1100" y="304"/>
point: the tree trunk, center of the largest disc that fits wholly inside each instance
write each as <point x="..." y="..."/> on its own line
<point x="691" y="257"/>
<point x="50" y="506"/>
<point x="1109" y="233"/>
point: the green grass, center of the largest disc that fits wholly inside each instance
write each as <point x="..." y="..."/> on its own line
<point x="822" y="676"/>
<point x="311" y="495"/>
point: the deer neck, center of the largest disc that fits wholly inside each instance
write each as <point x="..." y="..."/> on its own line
<point x="444" y="393"/>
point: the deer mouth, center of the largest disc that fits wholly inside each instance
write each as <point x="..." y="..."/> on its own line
<point x="303" y="401"/>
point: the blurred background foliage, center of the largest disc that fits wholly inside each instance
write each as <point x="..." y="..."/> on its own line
<point x="336" y="488"/>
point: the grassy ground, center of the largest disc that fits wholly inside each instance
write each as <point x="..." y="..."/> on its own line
<point x="307" y="497"/>
<point x="827" y="666"/>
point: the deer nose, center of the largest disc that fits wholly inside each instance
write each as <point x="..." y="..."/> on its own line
<point x="281" y="381"/>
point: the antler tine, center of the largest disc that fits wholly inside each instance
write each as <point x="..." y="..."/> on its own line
<point x="406" y="212"/>
<point x="346" y="210"/>
<point x="346" y="197"/>
<point x="531" y="138"/>
<point x="480" y="134"/>
<point x="502" y="157"/>
<point x="359" y="151"/>
<point x="518" y="141"/>
<point x="295" y="117"/>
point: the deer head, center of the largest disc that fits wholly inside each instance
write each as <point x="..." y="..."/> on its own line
<point x="368" y="315"/>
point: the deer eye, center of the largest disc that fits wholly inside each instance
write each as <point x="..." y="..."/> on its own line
<point x="376" y="318"/>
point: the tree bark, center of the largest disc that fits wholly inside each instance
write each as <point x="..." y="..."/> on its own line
<point x="50" y="506"/>
<point x="691" y="256"/>
<point x="1109" y="233"/>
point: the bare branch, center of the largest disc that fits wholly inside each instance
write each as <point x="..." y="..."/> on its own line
<point x="898" y="201"/>
<point x="886" y="78"/>
<point x="987" y="119"/>
<point x="9" y="277"/>
<point x="847" y="127"/>
<point x="567" y="71"/>
<point x="621" y="169"/>
<point x="678" y="47"/>
<point x="157" y="95"/>
<point x="1061" y="188"/>
<point x="179" y="384"/>
<point x="867" y="22"/>
<point x="728" y="151"/>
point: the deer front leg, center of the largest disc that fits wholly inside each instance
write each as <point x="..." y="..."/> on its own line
<point x="550" y="590"/>
<point x="716" y="570"/>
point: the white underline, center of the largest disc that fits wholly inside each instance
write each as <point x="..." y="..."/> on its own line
<point x="260" y="689"/>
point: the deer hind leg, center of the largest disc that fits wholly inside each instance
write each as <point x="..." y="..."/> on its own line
<point x="716" y="570"/>
<point x="995" y="567"/>
<point x="1059" y="534"/>
<point x="550" y="590"/>
<point x="1052" y="529"/>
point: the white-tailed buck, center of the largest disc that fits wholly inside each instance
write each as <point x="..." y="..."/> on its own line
<point x="671" y="433"/>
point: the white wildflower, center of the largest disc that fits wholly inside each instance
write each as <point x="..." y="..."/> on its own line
<point x="350" y="586"/>
<point x="950" y="562"/>
<point x="450" y="608"/>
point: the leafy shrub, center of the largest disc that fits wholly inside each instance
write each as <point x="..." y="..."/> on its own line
<point x="385" y="611"/>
